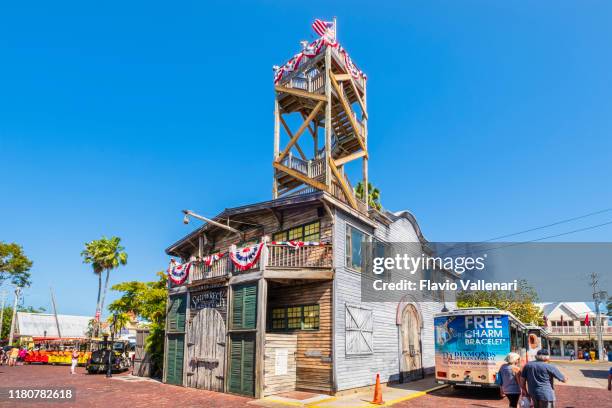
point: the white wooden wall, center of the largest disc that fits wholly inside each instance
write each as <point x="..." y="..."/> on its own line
<point x="353" y="371"/>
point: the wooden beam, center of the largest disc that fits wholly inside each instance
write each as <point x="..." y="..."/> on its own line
<point x="342" y="77"/>
<point x="300" y="93"/>
<point x="300" y="176"/>
<point x="312" y="132"/>
<point x="347" y="109"/>
<point x="350" y="157"/>
<point x="299" y="149"/>
<point x="291" y="274"/>
<point x="345" y="188"/>
<point x="295" y="137"/>
<point x="359" y="100"/>
<point x="297" y="146"/>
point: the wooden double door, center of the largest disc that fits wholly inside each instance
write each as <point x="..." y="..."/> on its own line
<point x="206" y="350"/>
<point x="411" y="362"/>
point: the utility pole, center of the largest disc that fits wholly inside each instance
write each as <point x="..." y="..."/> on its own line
<point x="17" y="294"/>
<point x="598" y="297"/>
<point x="3" y="295"/>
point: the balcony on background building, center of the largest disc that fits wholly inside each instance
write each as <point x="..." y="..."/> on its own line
<point x="578" y="331"/>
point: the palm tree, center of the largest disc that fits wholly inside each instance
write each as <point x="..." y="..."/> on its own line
<point x="373" y="195"/>
<point x="104" y="255"/>
<point x="123" y="319"/>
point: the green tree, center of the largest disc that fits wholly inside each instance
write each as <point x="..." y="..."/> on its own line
<point x="146" y="300"/>
<point x="121" y="321"/>
<point x="104" y="255"/>
<point x="14" y="265"/>
<point x="521" y="303"/>
<point x="373" y="195"/>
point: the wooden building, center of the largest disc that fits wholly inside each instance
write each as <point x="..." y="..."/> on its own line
<point x="294" y="320"/>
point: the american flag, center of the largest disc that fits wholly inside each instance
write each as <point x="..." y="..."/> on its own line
<point x="324" y="28"/>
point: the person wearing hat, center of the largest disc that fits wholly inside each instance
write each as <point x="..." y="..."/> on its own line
<point x="537" y="380"/>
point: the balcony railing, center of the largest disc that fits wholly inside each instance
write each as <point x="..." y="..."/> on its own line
<point x="283" y="256"/>
<point x="581" y="330"/>
<point x="277" y="256"/>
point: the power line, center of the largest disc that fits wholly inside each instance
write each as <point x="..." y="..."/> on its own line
<point x="476" y="247"/>
<point x="552" y="225"/>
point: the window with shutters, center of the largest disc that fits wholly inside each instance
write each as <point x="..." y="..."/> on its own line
<point x="177" y="312"/>
<point x="359" y="331"/>
<point x="244" y="307"/>
<point x="242" y="364"/>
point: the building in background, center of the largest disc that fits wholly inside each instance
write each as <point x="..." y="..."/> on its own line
<point x="570" y="329"/>
<point x="43" y="326"/>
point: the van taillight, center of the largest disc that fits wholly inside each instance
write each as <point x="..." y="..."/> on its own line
<point x="441" y="374"/>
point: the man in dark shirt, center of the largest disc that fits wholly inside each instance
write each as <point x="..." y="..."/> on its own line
<point x="538" y="377"/>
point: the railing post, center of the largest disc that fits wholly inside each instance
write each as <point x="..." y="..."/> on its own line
<point x="264" y="254"/>
<point x="232" y="248"/>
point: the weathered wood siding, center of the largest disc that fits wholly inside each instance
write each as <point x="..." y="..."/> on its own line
<point x="274" y="382"/>
<point x="314" y="347"/>
<point x="270" y="224"/>
<point x="353" y="371"/>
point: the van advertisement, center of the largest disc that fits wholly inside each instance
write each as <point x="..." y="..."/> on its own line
<point x="470" y="348"/>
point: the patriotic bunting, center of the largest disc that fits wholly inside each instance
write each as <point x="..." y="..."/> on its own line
<point x="178" y="273"/>
<point x="210" y="259"/>
<point x="245" y="258"/>
<point x="297" y="244"/>
<point x="328" y="38"/>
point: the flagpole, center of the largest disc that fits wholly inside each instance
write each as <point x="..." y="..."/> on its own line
<point x="335" y="30"/>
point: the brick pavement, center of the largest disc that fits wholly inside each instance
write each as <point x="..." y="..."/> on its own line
<point x="97" y="391"/>
<point x="567" y="397"/>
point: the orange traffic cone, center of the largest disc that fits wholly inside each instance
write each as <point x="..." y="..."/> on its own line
<point x="377" y="392"/>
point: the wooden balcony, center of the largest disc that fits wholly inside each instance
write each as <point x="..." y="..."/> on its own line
<point x="286" y="257"/>
<point x="279" y="257"/>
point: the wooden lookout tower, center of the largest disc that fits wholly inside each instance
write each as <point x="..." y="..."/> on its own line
<point x="321" y="111"/>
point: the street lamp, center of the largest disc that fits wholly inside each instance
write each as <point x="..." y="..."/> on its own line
<point x="109" y="368"/>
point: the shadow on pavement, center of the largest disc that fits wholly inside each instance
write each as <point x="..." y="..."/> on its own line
<point x="594" y="373"/>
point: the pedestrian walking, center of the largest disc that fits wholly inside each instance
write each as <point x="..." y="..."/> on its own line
<point x="509" y="378"/>
<point x="572" y="355"/>
<point x="13" y="355"/>
<point x="75" y="361"/>
<point x="538" y="380"/>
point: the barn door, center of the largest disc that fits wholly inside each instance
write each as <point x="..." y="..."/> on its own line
<point x="206" y="350"/>
<point x="242" y="364"/>
<point x="411" y="364"/>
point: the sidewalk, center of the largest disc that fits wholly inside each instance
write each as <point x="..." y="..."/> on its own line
<point x="392" y="394"/>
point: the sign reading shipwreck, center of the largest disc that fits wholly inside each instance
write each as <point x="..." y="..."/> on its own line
<point x="215" y="298"/>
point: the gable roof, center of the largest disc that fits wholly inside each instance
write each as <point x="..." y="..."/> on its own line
<point x="44" y="325"/>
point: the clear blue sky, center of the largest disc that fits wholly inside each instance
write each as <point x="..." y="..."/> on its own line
<point x="485" y="118"/>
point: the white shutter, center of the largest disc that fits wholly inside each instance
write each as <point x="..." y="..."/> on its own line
<point x="359" y="330"/>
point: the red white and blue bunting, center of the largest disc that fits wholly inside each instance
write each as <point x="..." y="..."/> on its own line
<point x="311" y="51"/>
<point x="245" y="258"/>
<point x="177" y="272"/>
<point x="297" y="244"/>
<point x="210" y="259"/>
